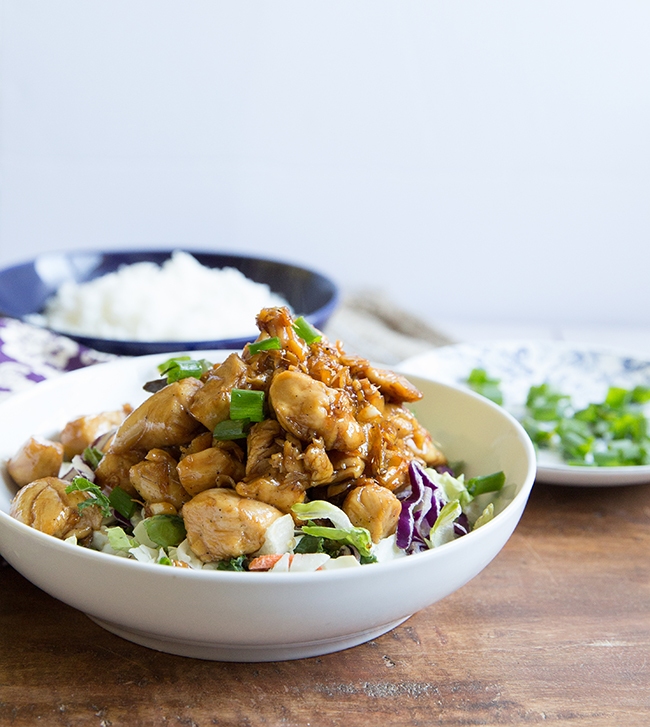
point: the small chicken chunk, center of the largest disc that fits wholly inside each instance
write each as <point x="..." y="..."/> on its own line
<point x="37" y="458"/>
<point x="211" y="404"/>
<point x="318" y="464"/>
<point x="263" y="443"/>
<point x="346" y="466"/>
<point x="278" y="322"/>
<point x="395" y="387"/>
<point x="46" y="506"/>
<point x="203" y="441"/>
<point x="216" y="466"/>
<point x="221" y="524"/>
<point x="373" y="507"/>
<point x="281" y="493"/>
<point x="83" y="431"/>
<point x="310" y="409"/>
<point x="113" y="470"/>
<point x="414" y="435"/>
<point x="388" y="455"/>
<point x="156" y="480"/>
<point x="161" y="420"/>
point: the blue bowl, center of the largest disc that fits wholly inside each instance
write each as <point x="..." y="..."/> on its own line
<point x="25" y="288"/>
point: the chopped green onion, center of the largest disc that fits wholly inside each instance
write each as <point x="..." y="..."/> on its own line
<point x="306" y="331"/>
<point x="92" y="456"/>
<point x="164" y="560"/>
<point x="540" y="433"/>
<point x="609" y="433"/>
<point x="617" y="397"/>
<point x="486" y="483"/>
<point x="165" y="530"/>
<point x="640" y="395"/>
<point x="231" y="429"/>
<point x="97" y="497"/>
<point x="576" y="439"/>
<point x="629" y="425"/>
<point x="479" y="381"/>
<point x="620" y="453"/>
<point x="171" y="363"/>
<point x="247" y="404"/>
<point x="545" y="404"/>
<point x="183" y="367"/>
<point x="266" y="344"/>
<point x="121" y="501"/>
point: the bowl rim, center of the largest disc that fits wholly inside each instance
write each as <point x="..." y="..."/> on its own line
<point x="517" y="504"/>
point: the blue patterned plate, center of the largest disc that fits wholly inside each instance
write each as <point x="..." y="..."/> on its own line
<point x="583" y="373"/>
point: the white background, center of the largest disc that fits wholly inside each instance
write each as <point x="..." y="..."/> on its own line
<point x="478" y="161"/>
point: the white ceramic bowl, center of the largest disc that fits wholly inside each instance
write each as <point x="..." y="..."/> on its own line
<point x="256" y="616"/>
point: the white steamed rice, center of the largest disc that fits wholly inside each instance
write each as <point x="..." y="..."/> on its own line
<point x="181" y="300"/>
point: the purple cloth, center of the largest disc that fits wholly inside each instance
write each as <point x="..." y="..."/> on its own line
<point x="29" y="354"/>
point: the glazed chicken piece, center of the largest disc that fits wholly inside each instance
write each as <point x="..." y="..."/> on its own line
<point x="393" y="442"/>
<point x="37" y="458"/>
<point x="324" y="363"/>
<point x="264" y="441"/>
<point x="272" y="450"/>
<point x="203" y="441"/>
<point x="318" y="464"/>
<point x="46" y="506"/>
<point x="155" y="479"/>
<point x="282" y="494"/>
<point x="310" y="410"/>
<point x="414" y="435"/>
<point x="288" y="462"/>
<point x="388" y="456"/>
<point x="211" y="403"/>
<point x="275" y="470"/>
<point x="83" y="431"/>
<point x="218" y="466"/>
<point x="373" y="507"/>
<point x="221" y="524"/>
<point x="347" y="466"/>
<point x="371" y="405"/>
<point x="113" y="470"/>
<point x="277" y="322"/>
<point x="278" y="471"/>
<point x="161" y="420"/>
<point x="395" y="387"/>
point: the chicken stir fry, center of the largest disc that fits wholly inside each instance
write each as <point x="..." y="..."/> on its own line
<point x="279" y="449"/>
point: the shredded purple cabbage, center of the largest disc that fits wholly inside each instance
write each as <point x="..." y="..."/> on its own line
<point x="102" y="440"/>
<point x="442" y="468"/>
<point x="420" y="509"/>
<point x="421" y="506"/>
<point x="461" y="525"/>
<point x="78" y="468"/>
<point x="124" y="522"/>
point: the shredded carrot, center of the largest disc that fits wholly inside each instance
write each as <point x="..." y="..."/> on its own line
<point x="265" y="562"/>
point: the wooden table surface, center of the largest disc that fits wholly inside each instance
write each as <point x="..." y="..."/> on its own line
<point x="555" y="631"/>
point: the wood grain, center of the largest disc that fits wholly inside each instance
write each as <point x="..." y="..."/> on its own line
<point x="555" y="631"/>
